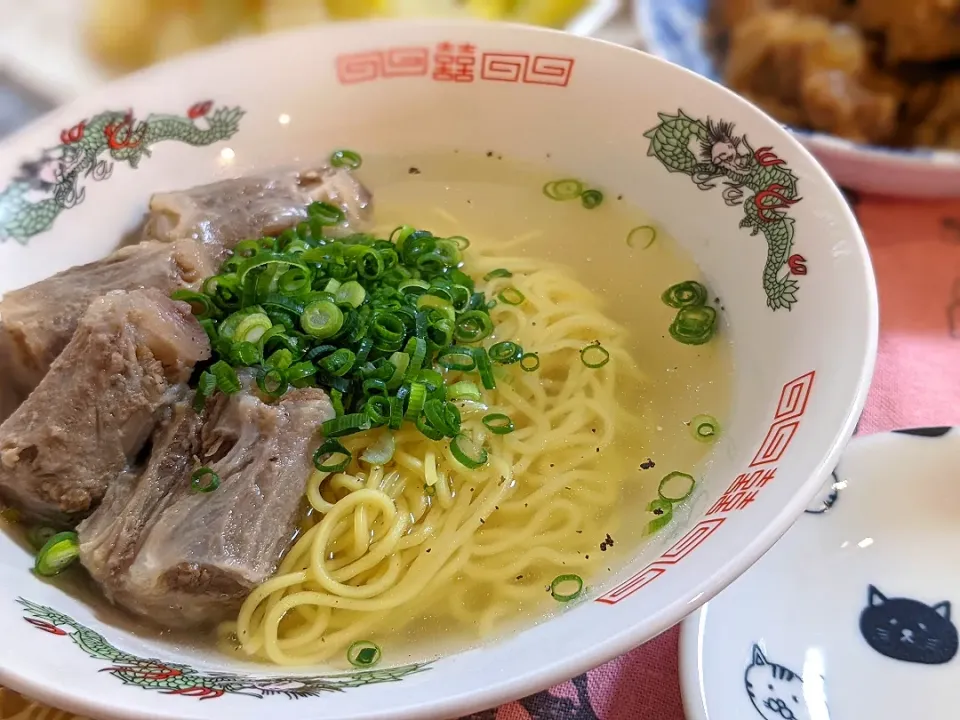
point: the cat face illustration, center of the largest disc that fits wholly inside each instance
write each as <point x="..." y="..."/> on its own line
<point x="908" y="630"/>
<point x="776" y="691"/>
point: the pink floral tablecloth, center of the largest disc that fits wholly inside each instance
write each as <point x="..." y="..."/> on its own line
<point x="916" y="254"/>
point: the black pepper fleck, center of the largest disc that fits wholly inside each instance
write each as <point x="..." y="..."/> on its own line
<point x="428" y="549"/>
<point x="587" y="557"/>
<point x="647" y="464"/>
<point x="658" y="511"/>
<point x="414" y="171"/>
<point x="519" y="577"/>
<point x="489" y="153"/>
<point x="619" y="197"/>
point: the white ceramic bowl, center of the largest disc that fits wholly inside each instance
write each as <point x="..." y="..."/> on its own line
<point x="803" y="335"/>
<point x="676" y="30"/>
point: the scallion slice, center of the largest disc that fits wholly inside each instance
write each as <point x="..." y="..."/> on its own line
<point x="529" y="362"/>
<point x="676" y="487"/>
<point x="201" y="304"/>
<point x="321" y="319"/>
<point x="634" y="235"/>
<point x="331" y="456"/>
<point x="464" y="390"/>
<point x="594" y="356"/>
<point x="346" y="425"/>
<point x="498" y="423"/>
<point x="684" y="294"/>
<point x="350" y="293"/>
<point x="663" y="512"/>
<point x="467" y="453"/>
<point x="566" y="189"/>
<point x="505" y="353"/>
<point x="457" y="358"/>
<point x="497" y="273"/>
<point x="57" y="553"/>
<point x="325" y="213"/>
<point x="204" y="480"/>
<point x="565" y="588"/>
<point x="705" y="428"/>
<point x="591" y="199"/>
<point x="272" y="382"/>
<point x="346" y="158"/>
<point x="694" y="325"/>
<point x="473" y="326"/>
<point x="227" y="380"/>
<point x="363" y="654"/>
<point x="511" y="296"/>
<point x="485" y="368"/>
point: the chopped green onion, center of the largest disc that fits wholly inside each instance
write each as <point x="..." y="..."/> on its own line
<point x="57" y="554"/>
<point x="705" y="428"/>
<point x="685" y="294"/>
<point x="325" y="213"/>
<point x="346" y="425"/>
<point x="497" y="273"/>
<point x="484" y="368"/>
<point x="350" y="293"/>
<point x="511" y="296"/>
<point x="346" y="158"/>
<point x="694" y="325"/>
<point x="529" y="362"/>
<point x="565" y="588"/>
<point x="591" y="199"/>
<point x="676" y="487"/>
<point x="294" y="282"/>
<point x="272" y="382"/>
<point x="246" y="353"/>
<point x="363" y="654"/>
<point x="460" y="241"/>
<point x="331" y="456"/>
<point x="498" y="423"/>
<point x="464" y="390"/>
<point x="663" y="510"/>
<point x="301" y="373"/>
<point x="321" y="319"/>
<point x="467" y="453"/>
<point x="201" y="304"/>
<point x="635" y="234"/>
<point x="457" y="358"/>
<point x="206" y="386"/>
<point x="415" y="400"/>
<point x="594" y="356"/>
<point x="38" y="535"/>
<point x="567" y="189"/>
<point x="381" y="451"/>
<point x="204" y="480"/>
<point x="505" y="353"/>
<point x="227" y="380"/>
<point x="473" y="326"/>
<point x="339" y="362"/>
<point x="280" y="360"/>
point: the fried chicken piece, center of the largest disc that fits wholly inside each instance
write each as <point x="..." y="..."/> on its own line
<point x="940" y="126"/>
<point x="815" y="70"/>
<point x="915" y="30"/>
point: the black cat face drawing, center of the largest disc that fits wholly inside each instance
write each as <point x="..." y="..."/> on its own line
<point x="908" y="630"/>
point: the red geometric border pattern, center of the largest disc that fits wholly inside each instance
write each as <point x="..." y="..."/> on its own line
<point x="741" y="493"/>
<point x="686" y="545"/>
<point x="786" y="421"/>
<point x="453" y="61"/>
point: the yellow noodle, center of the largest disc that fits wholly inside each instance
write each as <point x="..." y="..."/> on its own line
<point x="426" y="536"/>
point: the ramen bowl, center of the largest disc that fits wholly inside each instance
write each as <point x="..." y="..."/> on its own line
<point x="788" y="275"/>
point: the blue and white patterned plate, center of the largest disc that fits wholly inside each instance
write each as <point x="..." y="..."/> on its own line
<point x="674" y="30"/>
<point x="851" y="615"/>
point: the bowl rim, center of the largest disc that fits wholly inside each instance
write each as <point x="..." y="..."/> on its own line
<point x="552" y="670"/>
<point x="929" y="159"/>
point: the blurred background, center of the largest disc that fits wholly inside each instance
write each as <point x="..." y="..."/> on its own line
<point x="54" y="50"/>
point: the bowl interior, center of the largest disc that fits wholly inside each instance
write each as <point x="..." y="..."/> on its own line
<point x="772" y="235"/>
